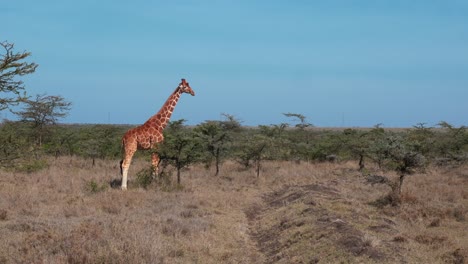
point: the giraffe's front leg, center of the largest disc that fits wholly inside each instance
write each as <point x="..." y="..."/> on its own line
<point x="154" y="163"/>
<point x="124" y="166"/>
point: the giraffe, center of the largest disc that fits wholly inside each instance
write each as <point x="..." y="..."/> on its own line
<point x="150" y="134"/>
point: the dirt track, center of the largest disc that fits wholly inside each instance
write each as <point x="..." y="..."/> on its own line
<point x="299" y="224"/>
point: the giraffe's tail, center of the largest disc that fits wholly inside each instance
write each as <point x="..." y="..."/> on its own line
<point x="121" y="169"/>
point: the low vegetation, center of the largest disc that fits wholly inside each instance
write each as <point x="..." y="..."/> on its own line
<point x="293" y="213"/>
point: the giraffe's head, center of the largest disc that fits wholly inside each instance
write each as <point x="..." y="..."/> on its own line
<point x="185" y="87"/>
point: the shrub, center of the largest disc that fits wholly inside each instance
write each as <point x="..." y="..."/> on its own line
<point x="32" y="166"/>
<point x="253" y="152"/>
<point x="93" y="187"/>
<point x="144" y="177"/>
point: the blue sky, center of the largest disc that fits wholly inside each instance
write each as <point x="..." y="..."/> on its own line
<point x="339" y="63"/>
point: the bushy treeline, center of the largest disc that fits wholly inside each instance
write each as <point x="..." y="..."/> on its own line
<point x="19" y="148"/>
<point x="213" y="142"/>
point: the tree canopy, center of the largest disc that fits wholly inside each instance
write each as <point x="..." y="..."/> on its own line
<point x="43" y="111"/>
<point x="12" y="66"/>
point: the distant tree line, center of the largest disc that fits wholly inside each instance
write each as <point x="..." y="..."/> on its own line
<point x="214" y="141"/>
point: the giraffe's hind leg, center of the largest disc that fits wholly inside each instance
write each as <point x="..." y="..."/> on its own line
<point x="154" y="163"/>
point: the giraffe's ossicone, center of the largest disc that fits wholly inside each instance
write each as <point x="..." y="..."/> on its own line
<point x="150" y="134"/>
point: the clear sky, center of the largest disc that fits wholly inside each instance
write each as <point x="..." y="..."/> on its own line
<point x="339" y="63"/>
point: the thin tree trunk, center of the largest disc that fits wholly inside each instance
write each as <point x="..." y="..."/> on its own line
<point x="217" y="165"/>
<point x="178" y="175"/>
<point x="402" y="178"/>
<point x="361" y="162"/>
<point x="258" y="168"/>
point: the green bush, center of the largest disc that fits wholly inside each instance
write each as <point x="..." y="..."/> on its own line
<point x="144" y="177"/>
<point x="94" y="187"/>
<point x="32" y="166"/>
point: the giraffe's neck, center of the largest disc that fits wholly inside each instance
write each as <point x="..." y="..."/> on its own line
<point x="161" y="119"/>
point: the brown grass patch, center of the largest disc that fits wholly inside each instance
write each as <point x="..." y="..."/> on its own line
<point x="317" y="213"/>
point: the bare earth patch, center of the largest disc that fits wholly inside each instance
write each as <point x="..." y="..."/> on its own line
<point x="294" y="225"/>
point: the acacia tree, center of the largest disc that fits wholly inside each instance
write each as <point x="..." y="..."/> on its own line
<point x="302" y="124"/>
<point x="100" y="142"/>
<point x="378" y="145"/>
<point x="403" y="159"/>
<point x="179" y="148"/>
<point x="215" y="136"/>
<point x="302" y="139"/>
<point x="357" y="144"/>
<point x="252" y="152"/>
<point x="214" y="139"/>
<point x="280" y="145"/>
<point x="422" y="138"/>
<point x="453" y="142"/>
<point x="43" y="111"/>
<point x="12" y="65"/>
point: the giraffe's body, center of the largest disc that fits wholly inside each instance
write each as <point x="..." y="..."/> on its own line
<point x="150" y="134"/>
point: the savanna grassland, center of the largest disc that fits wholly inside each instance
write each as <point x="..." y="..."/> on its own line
<point x="279" y="193"/>
<point x="294" y="212"/>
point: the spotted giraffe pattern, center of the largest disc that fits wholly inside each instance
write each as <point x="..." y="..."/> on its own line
<point x="150" y="134"/>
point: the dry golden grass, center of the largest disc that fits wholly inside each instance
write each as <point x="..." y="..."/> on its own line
<point x="293" y="213"/>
